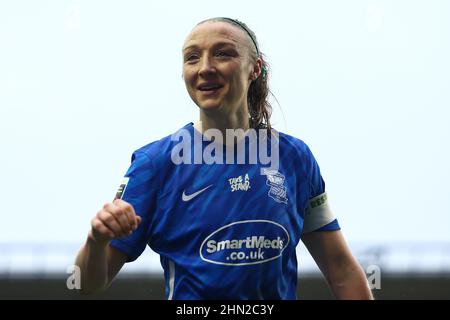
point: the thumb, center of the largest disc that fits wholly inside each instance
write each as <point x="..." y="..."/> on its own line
<point x="116" y="201"/>
<point x="138" y="219"/>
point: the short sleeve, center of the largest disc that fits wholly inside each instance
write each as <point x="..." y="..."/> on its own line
<point x="318" y="214"/>
<point x="139" y="189"/>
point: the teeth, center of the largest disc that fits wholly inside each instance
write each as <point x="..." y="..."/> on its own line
<point x="210" y="88"/>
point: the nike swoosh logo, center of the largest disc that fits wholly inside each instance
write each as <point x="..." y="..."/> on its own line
<point x="192" y="196"/>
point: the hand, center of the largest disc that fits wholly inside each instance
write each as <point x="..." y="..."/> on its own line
<point x="116" y="220"/>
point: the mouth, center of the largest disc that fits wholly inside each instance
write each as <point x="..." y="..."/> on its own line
<point x="208" y="89"/>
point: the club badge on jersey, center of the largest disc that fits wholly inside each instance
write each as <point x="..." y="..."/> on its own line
<point x="276" y="182"/>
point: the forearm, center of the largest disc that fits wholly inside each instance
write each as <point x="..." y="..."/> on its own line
<point x="350" y="283"/>
<point x="92" y="261"/>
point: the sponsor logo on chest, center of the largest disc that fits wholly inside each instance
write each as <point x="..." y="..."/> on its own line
<point x="245" y="243"/>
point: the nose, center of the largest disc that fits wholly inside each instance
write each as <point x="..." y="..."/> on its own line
<point x="207" y="67"/>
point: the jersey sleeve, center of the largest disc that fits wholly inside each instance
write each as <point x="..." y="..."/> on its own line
<point x="139" y="189"/>
<point x="318" y="214"/>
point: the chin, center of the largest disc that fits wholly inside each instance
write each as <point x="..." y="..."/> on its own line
<point x="209" y="105"/>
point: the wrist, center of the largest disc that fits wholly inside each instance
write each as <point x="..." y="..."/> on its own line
<point x="97" y="241"/>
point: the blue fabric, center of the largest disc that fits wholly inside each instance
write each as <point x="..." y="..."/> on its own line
<point x="332" y="226"/>
<point x="236" y="238"/>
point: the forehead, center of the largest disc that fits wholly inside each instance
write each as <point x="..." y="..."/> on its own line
<point x="212" y="32"/>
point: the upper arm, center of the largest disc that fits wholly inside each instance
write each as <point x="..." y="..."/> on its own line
<point x="343" y="273"/>
<point x="330" y="251"/>
<point x="316" y="212"/>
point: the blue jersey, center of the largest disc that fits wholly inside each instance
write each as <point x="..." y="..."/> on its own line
<point x="225" y="231"/>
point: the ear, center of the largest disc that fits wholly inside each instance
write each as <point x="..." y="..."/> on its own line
<point x="256" y="70"/>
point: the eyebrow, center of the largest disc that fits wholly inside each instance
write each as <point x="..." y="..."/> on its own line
<point x="216" y="45"/>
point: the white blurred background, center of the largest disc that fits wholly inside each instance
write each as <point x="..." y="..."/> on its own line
<point x="364" y="83"/>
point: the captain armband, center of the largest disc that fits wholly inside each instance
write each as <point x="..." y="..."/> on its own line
<point x="318" y="213"/>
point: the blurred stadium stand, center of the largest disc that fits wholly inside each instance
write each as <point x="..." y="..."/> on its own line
<point x="408" y="271"/>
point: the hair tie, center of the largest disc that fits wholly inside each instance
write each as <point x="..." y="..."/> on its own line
<point x="243" y="27"/>
<point x="264" y="71"/>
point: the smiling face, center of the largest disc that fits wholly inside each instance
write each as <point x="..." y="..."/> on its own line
<point x="216" y="67"/>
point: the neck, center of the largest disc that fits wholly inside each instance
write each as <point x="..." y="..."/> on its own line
<point x="214" y="120"/>
<point x="222" y="122"/>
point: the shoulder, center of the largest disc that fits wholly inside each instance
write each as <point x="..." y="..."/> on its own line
<point x="158" y="152"/>
<point x="293" y="144"/>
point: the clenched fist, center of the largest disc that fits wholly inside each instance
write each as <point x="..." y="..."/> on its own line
<point x="115" y="220"/>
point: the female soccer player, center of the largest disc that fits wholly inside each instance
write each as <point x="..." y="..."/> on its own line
<point x="224" y="215"/>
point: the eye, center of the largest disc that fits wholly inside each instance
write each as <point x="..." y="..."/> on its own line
<point x="222" y="54"/>
<point x="191" y="57"/>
